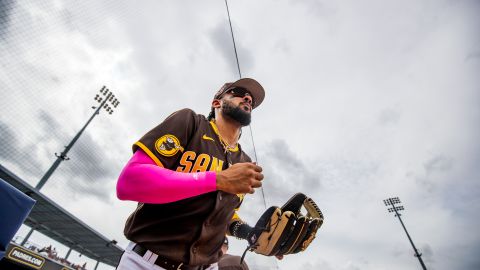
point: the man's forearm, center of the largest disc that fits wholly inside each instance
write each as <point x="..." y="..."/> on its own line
<point x="143" y="181"/>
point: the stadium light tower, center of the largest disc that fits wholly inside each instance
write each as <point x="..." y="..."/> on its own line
<point x="107" y="101"/>
<point x="392" y="202"/>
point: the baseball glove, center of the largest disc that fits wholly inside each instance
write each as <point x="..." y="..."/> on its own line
<point x="285" y="230"/>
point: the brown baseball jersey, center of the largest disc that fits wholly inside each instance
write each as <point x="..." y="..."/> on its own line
<point x="191" y="230"/>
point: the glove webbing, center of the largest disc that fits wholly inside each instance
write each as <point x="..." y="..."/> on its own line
<point x="303" y="233"/>
<point x="268" y="226"/>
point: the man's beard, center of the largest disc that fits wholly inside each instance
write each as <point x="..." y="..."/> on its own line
<point x="236" y="113"/>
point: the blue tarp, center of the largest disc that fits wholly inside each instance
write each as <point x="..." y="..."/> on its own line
<point x="14" y="209"/>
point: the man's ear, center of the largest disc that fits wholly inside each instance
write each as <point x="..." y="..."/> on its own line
<point x="216" y="103"/>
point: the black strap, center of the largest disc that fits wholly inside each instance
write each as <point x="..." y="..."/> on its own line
<point x="139" y="250"/>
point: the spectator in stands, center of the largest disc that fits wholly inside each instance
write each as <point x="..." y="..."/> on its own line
<point x="43" y="251"/>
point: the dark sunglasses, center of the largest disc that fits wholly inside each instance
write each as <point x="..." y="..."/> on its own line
<point x="240" y="92"/>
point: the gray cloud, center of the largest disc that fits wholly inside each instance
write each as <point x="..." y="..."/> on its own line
<point x="314" y="7"/>
<point x="427" y="254"/>
<point x="286" y="173"/>
<point x="315" y="263"/>
<point x="473" y="56"/>
<point x="320" y="264"/>
<point x="88" y="173"/>
<point x="461" y="193"/>
<point x="434" y="168"/>
<point x="6" y="7"/>
<point x="14" y="152"/>
<point x="283" y="46"/>
<point x="7" y="141"/>
<point x="438" y="163"/>
<point x="49" y="124"/>
<point x="472" y="260"/>
<point x="389" y="116"/>
<point x="222" y="40"/>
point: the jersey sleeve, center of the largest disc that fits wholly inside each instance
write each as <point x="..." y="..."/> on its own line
<point x="165" y="143"/>
<point x="235" y="214"/>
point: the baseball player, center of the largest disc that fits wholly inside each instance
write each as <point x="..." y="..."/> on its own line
<point x="230" y="262"/>
<point x="189" y="176"/>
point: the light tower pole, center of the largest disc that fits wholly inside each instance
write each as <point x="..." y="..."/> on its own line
<point x="105" y="98"/>
<point x="392" y="202"/>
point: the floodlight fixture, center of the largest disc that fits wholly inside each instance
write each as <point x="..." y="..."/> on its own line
<point x="107" y="96"/>
<point x="395" y="209"/>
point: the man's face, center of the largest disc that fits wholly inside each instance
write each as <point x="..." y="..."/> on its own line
<point x="238" y="106"/>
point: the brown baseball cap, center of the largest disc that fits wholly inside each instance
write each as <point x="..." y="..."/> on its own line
<point x="251" y="85"/>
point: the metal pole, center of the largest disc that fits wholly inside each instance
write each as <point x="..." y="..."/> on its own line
<point x="63" y="155"/>
<point x="96" y="265"/>
<point x="27" y="236"/>
<point x="418" y="255"/>
<point x="68" y="253"/>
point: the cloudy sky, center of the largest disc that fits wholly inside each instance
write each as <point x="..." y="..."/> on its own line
<point x="365" y="100"/>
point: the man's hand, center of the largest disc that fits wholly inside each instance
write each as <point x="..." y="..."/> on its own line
<point x="240" y="178"/>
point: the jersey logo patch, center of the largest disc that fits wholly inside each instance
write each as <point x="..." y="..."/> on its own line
<point x="205" y="137"/>
<point x="168" y="145"/>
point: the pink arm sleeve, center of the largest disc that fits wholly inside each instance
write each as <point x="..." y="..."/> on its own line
<point x="143" y="181"/>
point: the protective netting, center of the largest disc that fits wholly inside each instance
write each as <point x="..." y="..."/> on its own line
<point x="54" y="58"/>
<point x="49" y="75"/>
